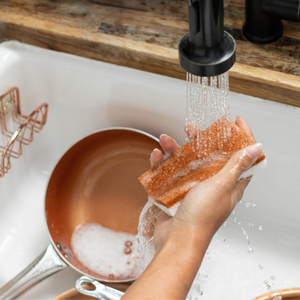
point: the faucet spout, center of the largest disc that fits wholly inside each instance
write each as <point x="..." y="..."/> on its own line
<point x="263" y="23"/>
<point x="283" y="9"/>
<point x="206" y="50"/>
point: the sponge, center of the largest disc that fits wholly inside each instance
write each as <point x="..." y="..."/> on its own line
<point x="169" y="182"/>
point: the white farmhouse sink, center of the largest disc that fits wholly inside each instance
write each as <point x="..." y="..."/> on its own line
<point x="85" y="96"/>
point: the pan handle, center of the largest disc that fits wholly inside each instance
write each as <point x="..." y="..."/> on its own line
<point x="101" y="291"/>
<point x="45" y="265"/>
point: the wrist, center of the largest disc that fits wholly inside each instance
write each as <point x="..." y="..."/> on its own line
<point x="191" y="239"/>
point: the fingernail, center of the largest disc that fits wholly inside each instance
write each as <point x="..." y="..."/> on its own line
<point x="238" y="116"/>
<point x="162" y="135"/>
<point x="254" y="150"/>
<point x="155" y="150"/>
<point x="152" y="153"/>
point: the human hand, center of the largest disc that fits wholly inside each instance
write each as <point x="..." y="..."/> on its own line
<point x="207" y="205"/>
<point x="181" y="242"/>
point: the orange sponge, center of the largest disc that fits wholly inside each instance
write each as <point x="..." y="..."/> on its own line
<point x="171" y="180"/>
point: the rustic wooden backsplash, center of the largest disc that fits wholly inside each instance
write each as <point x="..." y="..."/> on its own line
<point x="145" y="34"/>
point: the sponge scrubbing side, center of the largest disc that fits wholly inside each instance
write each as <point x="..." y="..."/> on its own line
<point x="170" y="181"/>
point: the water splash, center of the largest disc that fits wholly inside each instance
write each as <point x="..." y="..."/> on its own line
<point x="147" y="223"/>
<point x="195" y="291"/>
<point x="249" y="248"/>
<point x="262" y="268"/>
<point x="268" y="286"/>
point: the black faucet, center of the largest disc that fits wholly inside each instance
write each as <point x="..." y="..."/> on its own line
<point x="263" y="23"/>
<point x="207" y="50"/>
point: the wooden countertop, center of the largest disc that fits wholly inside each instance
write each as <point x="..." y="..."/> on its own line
<point x="144" y="34"/>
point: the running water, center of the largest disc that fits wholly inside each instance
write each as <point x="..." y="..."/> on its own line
<point x="207" y="100"/>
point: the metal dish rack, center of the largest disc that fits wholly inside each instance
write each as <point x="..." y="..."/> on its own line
<point x="17" y="129"/>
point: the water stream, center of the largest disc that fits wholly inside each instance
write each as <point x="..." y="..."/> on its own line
<point x="207" y="100"/>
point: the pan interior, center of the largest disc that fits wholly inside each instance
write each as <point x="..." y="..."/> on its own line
<point x="96" y="181"/>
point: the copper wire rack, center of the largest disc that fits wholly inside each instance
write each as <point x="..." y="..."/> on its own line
<point x="17" y="129"/>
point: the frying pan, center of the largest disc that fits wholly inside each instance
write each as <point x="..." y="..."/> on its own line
<point x="96" y="181"/>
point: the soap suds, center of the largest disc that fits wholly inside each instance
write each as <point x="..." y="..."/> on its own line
<point x="107" y="252"/>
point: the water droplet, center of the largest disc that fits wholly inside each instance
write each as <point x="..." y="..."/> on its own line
<point x="235" y="220"/>
<point x="224" y="240"/>
<point x="260" y="228"/>
<point x="261" y="267"/>
<point x="273" y="277"/>
<point x="248" y="205"/>
<point x="127" y="250"/>
<point x="268" y="286"/>
<point x="196" y="286"/>
<point x="239" y="223"/>
<point x="233" y="212"/>
<point x="254" y="206"/>
<point x="111" y="276"/>
<point x="225" y="224"/>
<point x="250" y="249"/>
<point x="245" y="235"/>
<point x="249" y="225"/>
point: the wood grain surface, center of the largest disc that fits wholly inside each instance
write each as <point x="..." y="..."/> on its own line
<point x="144" y="35"/>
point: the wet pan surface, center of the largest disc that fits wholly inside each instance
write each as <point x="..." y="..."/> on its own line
<point x="96" y="181"/>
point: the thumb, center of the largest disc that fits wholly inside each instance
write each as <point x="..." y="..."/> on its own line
<point x="240" y="162"/>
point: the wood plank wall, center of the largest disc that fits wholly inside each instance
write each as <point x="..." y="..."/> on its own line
<point x="144" y="35"/>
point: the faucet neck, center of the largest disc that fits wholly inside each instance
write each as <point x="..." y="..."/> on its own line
<point x="206" y="22"/>
<point x="207" y="50"/>
<point x="283" y="9"/>
<point x="263" y="19"/>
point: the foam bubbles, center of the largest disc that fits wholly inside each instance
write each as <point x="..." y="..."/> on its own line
<point x="105" y="251"/>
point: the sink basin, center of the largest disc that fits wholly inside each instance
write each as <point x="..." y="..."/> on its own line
<point x="85" y="96"/>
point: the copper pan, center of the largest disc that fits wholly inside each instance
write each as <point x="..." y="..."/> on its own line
<point x="96" y="181"/>
<point x="286" y="294"/>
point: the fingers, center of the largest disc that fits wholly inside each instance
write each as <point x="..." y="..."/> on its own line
<point x="156" y="157"/>
<point x="240" y="122"/>
<point x="240" y="162"/>
<point x="191" y="131"/>
<point x="168" y="144"/>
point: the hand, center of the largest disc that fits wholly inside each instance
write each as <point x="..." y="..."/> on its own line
<point x="209" y="204"/>
<point x="181" y="242"/>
